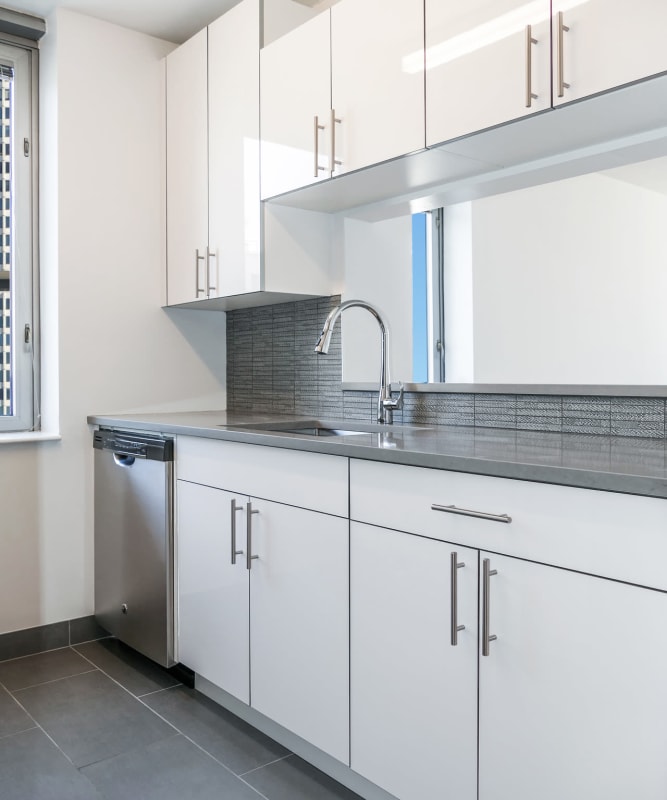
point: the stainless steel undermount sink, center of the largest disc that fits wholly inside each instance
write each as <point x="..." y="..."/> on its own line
<point x="322" y="428"/>
<point x="314" y="427"/>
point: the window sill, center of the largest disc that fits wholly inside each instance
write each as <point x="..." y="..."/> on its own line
<point x="28" y="436"/>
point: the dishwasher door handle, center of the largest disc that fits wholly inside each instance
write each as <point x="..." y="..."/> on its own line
<point x="124" y="460"/>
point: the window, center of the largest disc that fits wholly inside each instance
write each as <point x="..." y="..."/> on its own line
<point x="18" y="408"/>
<point x="428" y="325"/>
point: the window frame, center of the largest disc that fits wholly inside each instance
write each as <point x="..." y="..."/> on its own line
<point x="22" y="55"/>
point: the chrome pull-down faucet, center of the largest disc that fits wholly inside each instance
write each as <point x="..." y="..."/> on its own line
<point x="386" y="405"/>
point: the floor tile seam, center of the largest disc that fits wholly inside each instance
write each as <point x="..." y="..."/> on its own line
<point x="45" y="732"/>
<point x="32" y="655"/>
<point x="262" y="766"/>
<point x="124" y="688"/>
<point x="83" y="767"/>
<point x="54" y="680"/>
<point x="157" y="691"/>
<point x="200" y="747"/>
<point x="18" y="733"/>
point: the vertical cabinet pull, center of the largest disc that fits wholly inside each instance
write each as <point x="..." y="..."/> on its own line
<point x="487" y="637"/>
<point x="530" y="41"/>
<point x="235" y="552"/>
<point x="249" y="557"/>
<point x="562" y="27"/>
<point x="198" y="258"/>
<point x="456" y="565"/>
<point x="316" y="148"/>
<point x="334" y="121"/>
<point x="209" y="286"/>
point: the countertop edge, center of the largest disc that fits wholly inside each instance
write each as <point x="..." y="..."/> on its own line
<point x="600" y="480"/>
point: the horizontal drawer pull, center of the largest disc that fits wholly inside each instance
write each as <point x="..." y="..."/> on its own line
<point x="465" y="512"/>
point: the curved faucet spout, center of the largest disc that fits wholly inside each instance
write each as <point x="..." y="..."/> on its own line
<point x="386" y="405"/>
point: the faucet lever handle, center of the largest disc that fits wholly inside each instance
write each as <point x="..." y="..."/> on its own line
<point x="397" y="404"/>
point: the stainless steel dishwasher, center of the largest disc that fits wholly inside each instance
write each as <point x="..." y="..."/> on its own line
<point x="134" y="543"/>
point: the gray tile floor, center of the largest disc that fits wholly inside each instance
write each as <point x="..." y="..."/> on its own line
<point x="97" y="721"/>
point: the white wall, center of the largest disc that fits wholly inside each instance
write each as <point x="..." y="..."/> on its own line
<point x="378" y="269"/>
<point x="108" y="345"/>
<point x="569" y="284"/>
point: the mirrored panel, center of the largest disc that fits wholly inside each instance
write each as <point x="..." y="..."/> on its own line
<point x="560" y="283"/>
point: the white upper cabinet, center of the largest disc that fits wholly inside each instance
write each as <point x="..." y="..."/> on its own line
<point x="224" y="250"/>
<point x="296" y="108"/>
<point x="234" y="210"/>
<point x="377" y="81"/>
<point x="601" y="44"/>
<point x="486" y="63"/>
<point x="187" y="171"/>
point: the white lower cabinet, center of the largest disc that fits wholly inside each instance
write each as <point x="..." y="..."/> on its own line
<point x="572" y="696"/>
<point x="299" y="629"/>
<point x="466" y="657"/>
<point x="213" y="635"/>
<point x="272" y="631"/>
<point x="413" y="692"/>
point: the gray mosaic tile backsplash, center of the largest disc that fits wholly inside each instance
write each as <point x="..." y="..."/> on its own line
<point x="272" y="368"/>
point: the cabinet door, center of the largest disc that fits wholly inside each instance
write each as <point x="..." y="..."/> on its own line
<point x="377" y="80"/>
<point x="573" y="701"/>
<point x="187" y="171"/>
<point x="609" y="43"/>
<point x="212" y="592"/>
<point x="486" y="63"/>
<point x="299" y="623"/>
<point x="413" y="694"/>
<point x="296" y="88"/>
<point x="233" y="101"/>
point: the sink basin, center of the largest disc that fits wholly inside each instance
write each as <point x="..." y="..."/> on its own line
<point x="314" y="427"/>
<point x="315" y="430"/>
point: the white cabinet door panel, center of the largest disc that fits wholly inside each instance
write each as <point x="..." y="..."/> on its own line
<point x="377" y="80"/>
<point x="296" y="87"/>
<point x="477" y="64"/>
<point x="299" y="610"/>
<point x="187" y="170"/>
<point x="609" y="43"/>
<point x="413" y="694"/>
<point x="233" y="102"/>
<point x="573" y="700"/>
<point x="212" y="592"/>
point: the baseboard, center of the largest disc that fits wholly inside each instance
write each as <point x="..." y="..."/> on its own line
<point x="30" y="641"/>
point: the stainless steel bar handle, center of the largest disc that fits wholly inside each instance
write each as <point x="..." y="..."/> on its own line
<point x="456" y="565"/>
<point x="316" y="148"/>
<point x="562" y="27"/>
<point x="235" y="510"/>
<point x="487" y="637"/>
<point x="334" y="161"/>
<point x="466" y="512"/>
<point x="198" y="258"/>
<point x="530" y="41"/>
<point x="209" y="286"/>
<point x="249" y="557"/>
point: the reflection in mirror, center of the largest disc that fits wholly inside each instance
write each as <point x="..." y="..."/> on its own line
<point x="562" y="283"/>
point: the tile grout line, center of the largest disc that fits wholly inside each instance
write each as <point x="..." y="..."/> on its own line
<point x="53" y="680"/>
<point x="45" y="732"/>
<point x="268" y="764"/>
<point x="18" y="733"/>
<point x="171" y="725"/>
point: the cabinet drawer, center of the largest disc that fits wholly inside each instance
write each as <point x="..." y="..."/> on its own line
<point x="602" y="533"/>
<point x="308" y="480"/>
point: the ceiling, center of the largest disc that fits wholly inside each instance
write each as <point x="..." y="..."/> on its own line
<point x="173" y="20"/>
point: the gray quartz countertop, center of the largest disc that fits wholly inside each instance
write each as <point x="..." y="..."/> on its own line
<point x="609" y="463"/>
